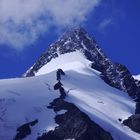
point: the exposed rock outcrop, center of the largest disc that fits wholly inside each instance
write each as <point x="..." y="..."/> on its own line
<point x="137" y="82"/>
<point x="74" y="124"/>
<point x="118" y="76"/>
<point x="24" y="130"/>
<point x="59" y="73"/>
<point x="133" y="122"/>
<point x="137" y="110"/>
<point x="58" y="85"/>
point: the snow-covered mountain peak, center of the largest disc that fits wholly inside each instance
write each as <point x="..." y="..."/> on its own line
<point x="77" y="40"/>
<point x="73" y="40"/>
<point x="75" y="61"/>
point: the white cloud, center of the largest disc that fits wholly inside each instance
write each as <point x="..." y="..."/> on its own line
<point x="104" y="24"/>
<point x="22" y="21"/>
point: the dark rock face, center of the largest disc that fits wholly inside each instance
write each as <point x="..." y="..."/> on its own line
<point x="62" y="92"/>
<point x="74" y="124"/>
<point x="24" y="130"/>
<point x="137" y="111"/>
<point x="133" y="122"/>
<point x="137" y="83"/>
<point x="59" y="73"/>
<point x="58" y="85"/>
<point x="118" y="76"/>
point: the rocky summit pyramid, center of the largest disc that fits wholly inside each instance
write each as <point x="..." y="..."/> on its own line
<point x="77" y="39"/>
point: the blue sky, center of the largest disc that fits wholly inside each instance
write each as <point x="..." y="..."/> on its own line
<point x="115" y="24"/>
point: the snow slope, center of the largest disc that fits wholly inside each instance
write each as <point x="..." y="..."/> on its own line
<point x="103" y="104"/>
<point x="25" y="99"/>
<point x="73" y="60"/>
<point x="137" y="77"/>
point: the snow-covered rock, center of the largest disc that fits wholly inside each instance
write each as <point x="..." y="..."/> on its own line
<point x="137" y="77"/>
<point x="137" y="80"/>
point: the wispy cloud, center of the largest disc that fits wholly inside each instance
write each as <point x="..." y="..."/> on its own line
<point x="23" y="21"/>
<point x="105" y="23"/>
